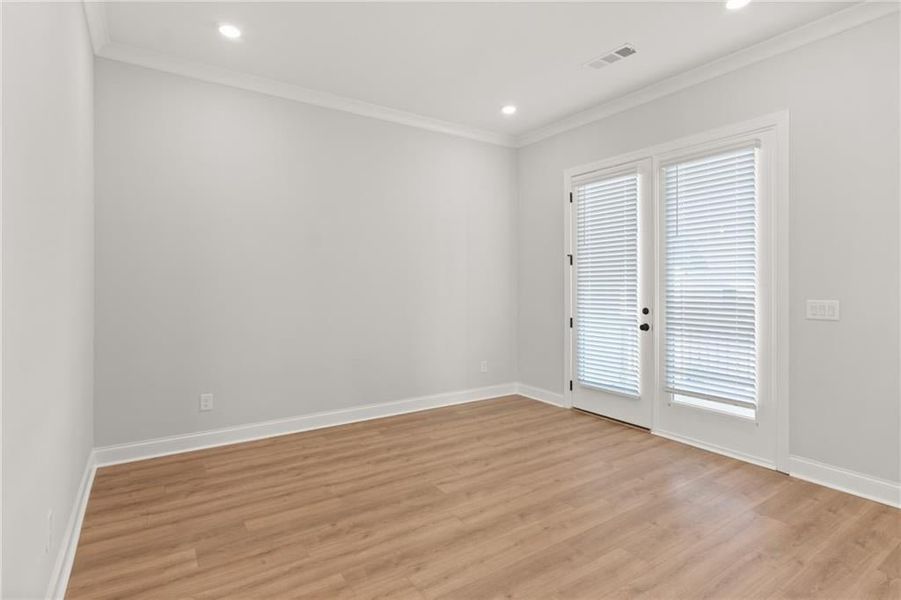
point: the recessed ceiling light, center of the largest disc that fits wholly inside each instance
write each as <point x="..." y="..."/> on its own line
<point x="509" y="110"/>
<point x="230" y="31"/>
<point x="737" y="4"/>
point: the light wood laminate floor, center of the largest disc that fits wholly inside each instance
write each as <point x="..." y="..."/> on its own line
<point x="502" y="498"/>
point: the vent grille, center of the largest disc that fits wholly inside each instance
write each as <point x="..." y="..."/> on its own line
<point x="616" y="55"/>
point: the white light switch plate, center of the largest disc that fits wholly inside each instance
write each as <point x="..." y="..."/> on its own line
<point x="823" y="310"/>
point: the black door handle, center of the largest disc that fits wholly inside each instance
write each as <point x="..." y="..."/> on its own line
<point x="644" y="326"/>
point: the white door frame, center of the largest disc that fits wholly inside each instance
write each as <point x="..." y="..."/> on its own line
<point x="776" y="238"/>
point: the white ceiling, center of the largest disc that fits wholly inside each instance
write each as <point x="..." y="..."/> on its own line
<point x="458" y="62"/>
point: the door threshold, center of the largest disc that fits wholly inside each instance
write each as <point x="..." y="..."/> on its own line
<point x="612" y="420"/>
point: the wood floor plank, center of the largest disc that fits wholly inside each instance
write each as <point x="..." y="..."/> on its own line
<point x="507" y="498"/>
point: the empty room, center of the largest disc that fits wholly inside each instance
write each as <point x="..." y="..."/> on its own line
<point x="450" y="300"/>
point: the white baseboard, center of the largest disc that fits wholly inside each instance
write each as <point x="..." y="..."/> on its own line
<point x="714" y="448"/>
<point x="59" y="579"/>
<point x="852" y="482"/>
<point x="110" y="455"/>
<point x="843" y="480"/>
<point x="886" y="492"/>
<point x="540" y="394"/>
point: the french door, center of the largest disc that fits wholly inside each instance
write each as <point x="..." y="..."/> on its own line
<point x="612" y="262"/>
<point x="677" y="290"/>
<point x="716" y="323"/>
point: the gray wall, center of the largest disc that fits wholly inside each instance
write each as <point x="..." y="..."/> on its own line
<point x="842" y="93"/>
<point x="287" y="258"/>
<point x="292" y="259"/>
<point x="47" y="248"/>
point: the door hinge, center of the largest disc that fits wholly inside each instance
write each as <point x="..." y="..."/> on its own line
<point x="570" y="259"/>
<point x="570" y="322"/>
<point x="570" y="385"/>
<point x="570" y="197"/>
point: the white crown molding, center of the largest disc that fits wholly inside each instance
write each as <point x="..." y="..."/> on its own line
<point x="95" y="15"/>
<point x="279" y="89"/>
<point x="829" y="25"/>
<point x="104" y="47"/>
<point x="65" y="558"/>
<point x="853" y="16"/>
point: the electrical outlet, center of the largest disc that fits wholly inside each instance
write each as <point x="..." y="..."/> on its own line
<point x="484" y="366"/>
<point x="206" y="402"/>
<point x="823" y="310"/>
<point x="49" y="541"/>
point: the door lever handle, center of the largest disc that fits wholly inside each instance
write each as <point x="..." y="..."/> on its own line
<point x="644" y="326"/>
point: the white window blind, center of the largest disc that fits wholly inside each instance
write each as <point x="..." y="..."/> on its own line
<point x="607" y="284"/>
<point x="711" y="278"/>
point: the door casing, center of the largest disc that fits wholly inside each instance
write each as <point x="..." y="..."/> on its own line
<point x="773" y="130"/>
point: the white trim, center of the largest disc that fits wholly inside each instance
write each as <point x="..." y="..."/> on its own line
<point x="95" y="15"/>
<point x="1" y="317"/>
<point x="270" y="87"/>
<point x="541" y="394"/>
<point x="772" y="131"/>
<point x="845" y="480"/>
<point x="780" y="323"/>
<point x="569" y="296"/>
<point x="718" y="135"/>
<point x="775" y="124"/>
<point x="865" y="486"/>
<point x="569" y="250"/>
<point x="65" y="557"/>
<point x="837" y="478"/>
<point x="122" y="453"/>
<point x="827" y="26"/>
<point x="713" y="448"/>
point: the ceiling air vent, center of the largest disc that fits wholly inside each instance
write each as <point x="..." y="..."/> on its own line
<point x="624" y="51"/>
